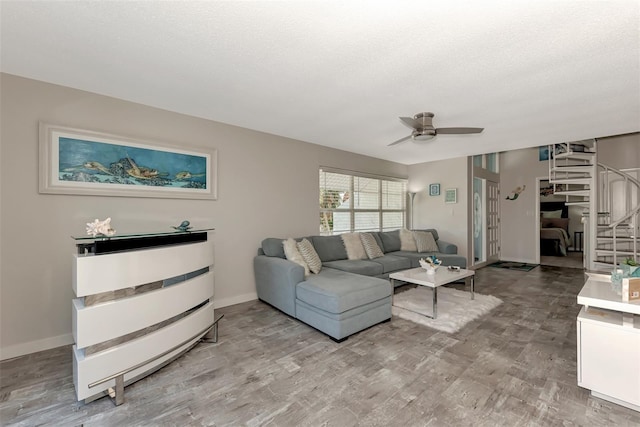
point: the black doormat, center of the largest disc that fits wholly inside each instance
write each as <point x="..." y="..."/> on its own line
<point x="520" y="266"/>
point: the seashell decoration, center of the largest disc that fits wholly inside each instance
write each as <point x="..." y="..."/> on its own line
<point x="100" y="228"/>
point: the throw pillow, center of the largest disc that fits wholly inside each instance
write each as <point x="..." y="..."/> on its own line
<point x="371" y="246"/>
<point x="353" y="245"/>
<point x="293" y="254"/>
<point x="425" y="241"/>
<point x="407" y="242"/>
<point x="552" y="214"/>
<point x="310" y="256"/>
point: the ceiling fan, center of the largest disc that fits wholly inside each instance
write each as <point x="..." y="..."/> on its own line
<point x="423" y="128"/>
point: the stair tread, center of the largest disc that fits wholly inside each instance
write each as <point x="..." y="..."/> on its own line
<point x="583" y="181"/>
<point x="621" y="239"/>
<point x="604" y="264"/>
<point x="573" y="193"/>
<point x="585" y="203"/>
<point x="583" y="155"/>
<point x="611" y="252"/>
<point x="568" y="168"/>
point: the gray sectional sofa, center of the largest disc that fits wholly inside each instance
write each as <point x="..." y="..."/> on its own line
<point x="346" y="296"/>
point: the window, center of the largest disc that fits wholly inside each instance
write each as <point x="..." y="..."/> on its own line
<point x="486" y="161"/>
<point x="351" y="202"/>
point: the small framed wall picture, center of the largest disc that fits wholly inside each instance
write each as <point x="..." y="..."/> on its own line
<point x="451" y="195"/>
<point x="434" y="189"/>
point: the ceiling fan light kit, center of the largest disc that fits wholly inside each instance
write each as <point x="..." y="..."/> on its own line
<point x="423" y="130"/>
<point x="423" y="136"/>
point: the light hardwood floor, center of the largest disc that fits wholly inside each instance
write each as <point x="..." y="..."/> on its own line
<point x="513" y="367"/>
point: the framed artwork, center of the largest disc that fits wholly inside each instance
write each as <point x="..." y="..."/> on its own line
<point x="451" y="195"/>
<point x="545" y="154"/>
<point x="434" y="189"/>
<point x="75" y="161"/>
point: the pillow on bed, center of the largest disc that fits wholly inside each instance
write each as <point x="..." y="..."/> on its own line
<point x="555" y="223"/>
<point x="552" y="214"/>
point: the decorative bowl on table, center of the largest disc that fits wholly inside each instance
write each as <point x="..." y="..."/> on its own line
<point x="430" y="264"/>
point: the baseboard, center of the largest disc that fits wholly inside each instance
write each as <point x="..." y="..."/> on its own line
<point x="22" y="349"/>
<point x="219" y="303"/>
<point x="616" y="401"/>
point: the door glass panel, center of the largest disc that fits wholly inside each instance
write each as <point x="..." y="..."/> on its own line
<point x="478" y="221"/>
<point x="492" y="220"/>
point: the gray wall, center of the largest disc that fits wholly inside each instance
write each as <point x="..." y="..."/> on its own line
<point x="268" y="186"/>
<point x="431" y="211"/>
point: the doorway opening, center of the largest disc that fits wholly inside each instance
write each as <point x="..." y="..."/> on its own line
<point x="560" y="229"/>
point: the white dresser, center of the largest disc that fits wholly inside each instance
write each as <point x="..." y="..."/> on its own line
<point x="608" y="343"/>
<point x="141" y="301"/>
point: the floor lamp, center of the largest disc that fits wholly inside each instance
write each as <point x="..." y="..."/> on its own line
<point x="413" y="196"/>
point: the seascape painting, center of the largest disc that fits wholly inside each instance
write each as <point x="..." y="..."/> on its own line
<point x="84" y="162"/>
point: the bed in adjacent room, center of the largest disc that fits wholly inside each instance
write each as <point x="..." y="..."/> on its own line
<point x="554" y="229"/>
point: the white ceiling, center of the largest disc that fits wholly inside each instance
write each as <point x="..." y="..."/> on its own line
<point x="339" y="73"/>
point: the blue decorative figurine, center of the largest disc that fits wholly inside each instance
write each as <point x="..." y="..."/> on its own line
<point x="184" y="226"/>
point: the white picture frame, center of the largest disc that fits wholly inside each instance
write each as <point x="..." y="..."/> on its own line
<point x="84" y="162"/>
<point x="451" y="195"/>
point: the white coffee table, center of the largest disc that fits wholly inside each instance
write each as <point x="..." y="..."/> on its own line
<point x="419" y="276"/>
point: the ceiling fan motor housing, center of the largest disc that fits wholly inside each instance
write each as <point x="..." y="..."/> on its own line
<point x="426" y="115"/>
<point x="426" y="130"/>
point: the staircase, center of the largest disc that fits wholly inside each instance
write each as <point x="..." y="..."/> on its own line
<point x="612" y="232"/>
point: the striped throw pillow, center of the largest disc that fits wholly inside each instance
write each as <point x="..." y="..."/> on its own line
<point x="425" y="241"/>
<point x="293" y="254"/>
<point x="371" y="246"/>
<point x="310" y="256"/>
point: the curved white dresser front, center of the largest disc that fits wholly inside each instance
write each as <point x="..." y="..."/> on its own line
<point x="137" y="310"/>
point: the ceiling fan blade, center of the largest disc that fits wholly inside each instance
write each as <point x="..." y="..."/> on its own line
<point x="458" y="130"/>
<point x="411" y="122"/>
<point x="399" y="141"/>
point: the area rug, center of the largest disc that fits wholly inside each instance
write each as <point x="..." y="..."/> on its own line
<point x="520" y="266"/>
<point x="455" y="308"/>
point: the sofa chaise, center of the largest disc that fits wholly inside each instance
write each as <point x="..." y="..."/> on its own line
<point x="346" y="295"/>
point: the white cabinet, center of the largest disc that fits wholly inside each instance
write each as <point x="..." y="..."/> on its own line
<point x="609" y="345"/>
<point x="137" y="309"/>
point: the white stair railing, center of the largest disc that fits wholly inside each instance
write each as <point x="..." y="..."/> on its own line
<point x="629" y="220"/>
<point x="575" y="172"/>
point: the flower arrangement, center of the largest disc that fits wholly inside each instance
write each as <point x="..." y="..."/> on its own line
<point x="430" y="263"/>
<point x="100" y="228"/>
